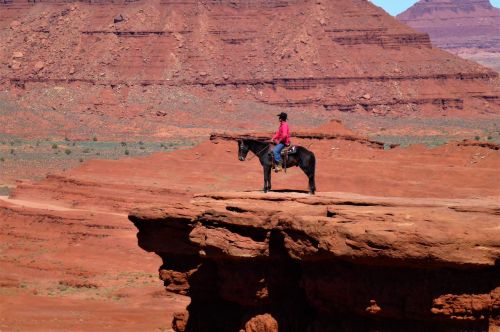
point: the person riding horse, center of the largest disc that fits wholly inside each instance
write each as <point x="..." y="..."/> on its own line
<point x="281" y="139"/>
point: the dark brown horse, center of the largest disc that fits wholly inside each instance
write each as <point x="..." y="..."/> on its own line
<point x="303" y="158"/>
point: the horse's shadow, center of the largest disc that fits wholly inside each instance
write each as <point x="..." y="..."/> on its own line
<point x="283" y="191"/>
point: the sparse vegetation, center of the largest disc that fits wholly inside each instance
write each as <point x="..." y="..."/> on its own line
<point x="32" y="158"/>
<point x="477" y="138"/>
<point x="94" y="138"/>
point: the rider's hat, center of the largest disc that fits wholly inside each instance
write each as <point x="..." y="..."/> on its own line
<point x="283" y="116"/>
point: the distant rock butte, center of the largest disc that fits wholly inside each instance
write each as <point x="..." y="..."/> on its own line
<point x="468" y="28"/>
<point x="336" y="261"/>
<point x="200" y="64"/>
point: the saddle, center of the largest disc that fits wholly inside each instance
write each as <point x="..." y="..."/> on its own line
<point x="287" y="150"/>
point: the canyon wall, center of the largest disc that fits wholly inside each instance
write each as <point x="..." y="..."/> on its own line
<point x="335" y="262"/>
<point x="470" y="29"/>
<point x="79" y="66"/>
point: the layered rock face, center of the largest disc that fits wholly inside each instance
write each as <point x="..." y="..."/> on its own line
<point x="334" y="262"/>
<point x="470" y="29"/>
<point x="202" y="64"/>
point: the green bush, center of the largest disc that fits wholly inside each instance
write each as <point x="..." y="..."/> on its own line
<point x="477" y="138"/>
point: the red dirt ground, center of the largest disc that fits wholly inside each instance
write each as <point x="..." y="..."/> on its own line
<point x="71" y="251"/>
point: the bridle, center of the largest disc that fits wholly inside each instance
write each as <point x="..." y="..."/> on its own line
<point x="243" y="146"/>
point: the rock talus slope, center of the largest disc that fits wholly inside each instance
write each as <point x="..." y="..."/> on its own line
<point x="470" y="29"/>
<point x="334" y="262"/>
<point x="171" y="64"/>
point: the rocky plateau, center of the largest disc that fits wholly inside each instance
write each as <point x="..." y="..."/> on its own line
<point x="166" y="68"/>
<point x="469" y="29"/>
<point x="411" y="262"/>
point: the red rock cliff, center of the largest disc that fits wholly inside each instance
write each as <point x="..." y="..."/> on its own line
<point x="335" y="262"/>
<point x="181" y="63"/>
<point x="468" y="28"/>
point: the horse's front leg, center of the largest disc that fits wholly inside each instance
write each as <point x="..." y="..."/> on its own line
<point x="267" y="178"/>
<point x="269" y="168"/>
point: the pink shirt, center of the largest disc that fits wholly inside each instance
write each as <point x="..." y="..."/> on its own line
<point x="282" y="134"/>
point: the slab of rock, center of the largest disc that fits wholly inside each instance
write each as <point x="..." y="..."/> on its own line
<point x="315" y="262"/>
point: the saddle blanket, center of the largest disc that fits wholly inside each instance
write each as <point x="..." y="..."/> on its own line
<point x="289" y="150"/>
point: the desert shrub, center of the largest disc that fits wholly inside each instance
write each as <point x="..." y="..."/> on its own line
<point x="141" y="143"/>
<point x="86" y="150"/>
<point x="67" y="151"/>
<point x="123" y="143"/>
<point x="142" y="147"/>
<point x="94" y="138"/>
<point x="2" y="159"/>
<point x="477" y="138"/>
<point x="66" y="139"/>
<point x="54" y="146"/>
<point x="126" y="152"/>
<point x="80" y="160"/>
<point x="12" y="151"/>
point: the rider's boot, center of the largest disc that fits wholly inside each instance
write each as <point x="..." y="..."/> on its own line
<point x="279" y="166"/>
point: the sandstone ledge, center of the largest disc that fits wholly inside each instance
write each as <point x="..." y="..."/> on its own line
<point x="335" y="258"/>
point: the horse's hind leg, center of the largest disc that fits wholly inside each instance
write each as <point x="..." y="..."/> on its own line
<point x="312" y="183"/>
<point x="309" y="171"/>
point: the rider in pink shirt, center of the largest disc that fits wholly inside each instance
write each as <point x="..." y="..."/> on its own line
<point x="282" y="139"/>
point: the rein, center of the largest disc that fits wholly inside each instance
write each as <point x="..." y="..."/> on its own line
<point x="258" y="153"/>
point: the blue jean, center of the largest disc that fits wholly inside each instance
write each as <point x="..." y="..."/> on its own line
<point x="277" y="152"/>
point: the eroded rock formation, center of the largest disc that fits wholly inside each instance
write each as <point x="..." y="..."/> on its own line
<point x="334" y="262"/>
<point x="200" y="64"/>
<point x="468" y="28"/>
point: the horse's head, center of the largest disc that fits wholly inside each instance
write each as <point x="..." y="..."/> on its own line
<point x="242" y="150"/>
